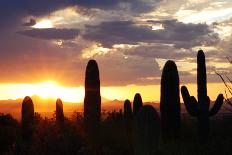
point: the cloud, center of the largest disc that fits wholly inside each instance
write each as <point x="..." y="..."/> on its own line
<point x="116" y="69"/>
<point x="135" y="5"/>
<point x="117" y="32"/>
<point x="51" y="33"/>
<point x="128" y="32"/>
<point x="56" y="54"/>
<point x="160" y="51"/>
<point x="22" y="8"/>
<point x="25" y="60"/>
<point x="31" y="22"/>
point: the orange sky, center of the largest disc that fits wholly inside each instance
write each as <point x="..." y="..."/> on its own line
<point x="76" y="94"/>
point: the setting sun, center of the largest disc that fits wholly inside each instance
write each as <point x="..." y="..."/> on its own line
<point x="47" y="89"/>
<point x="51" y="89"/>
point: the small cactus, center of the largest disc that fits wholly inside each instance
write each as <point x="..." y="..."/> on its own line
<point x="137" y="103"/>
<point x="201" y="108"/>
<point x="27" y="118"/>
<point x="147" y="131"/>
<point x="120" y="115"/>
<point x="92" y="100"/>
<point x="127" y="110"/>
<point x="170" y="101"/>
<point x="59" y="111"/>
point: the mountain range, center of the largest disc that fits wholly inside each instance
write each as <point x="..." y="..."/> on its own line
<point x="46" y="106"/>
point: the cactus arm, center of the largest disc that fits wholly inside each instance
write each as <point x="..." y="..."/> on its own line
<point x="189" y="102"/>
<point x="208" y="102"/>
<point x="217" y="105"/>
<point x="195" y="105"/>
<point x="194" y="100"/>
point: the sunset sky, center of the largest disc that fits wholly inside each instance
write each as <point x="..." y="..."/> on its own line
<point x="46" y="44"/>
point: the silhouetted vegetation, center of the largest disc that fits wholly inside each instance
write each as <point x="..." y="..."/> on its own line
<point x="127" y="110"/>
<point x="137" y="103"/>
<point x="27" y="119"/>
<point x="92" y="103"/>
<point x="146" y="131"/>
<point x="170" y="101"/>
<point x="226" y="79"/>
<point x="9" y="131"/>
<point x="200" y="108"/>
<point x="59" y="111"/>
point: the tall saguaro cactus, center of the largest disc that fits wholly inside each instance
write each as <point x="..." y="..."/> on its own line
<point x="92" y="100"/>
<point x="201" y="108"/>
<point x="137" y="103"/>
<point x="59" y="111"/>
<point x="127" y="110"/>
<point x="147" y="131"/>
<point x="27" y="118"/>
<point x="170" y="101"/>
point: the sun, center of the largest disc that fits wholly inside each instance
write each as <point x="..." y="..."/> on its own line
<point x="45" y="23"/>
<point x="51" y="89"/>
<point x="48" y="89"/>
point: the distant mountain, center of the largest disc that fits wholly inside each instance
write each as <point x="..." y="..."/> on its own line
<point x="103" y="100"/>
<point x="46" y="106"/>
<point x="112" y="105"/>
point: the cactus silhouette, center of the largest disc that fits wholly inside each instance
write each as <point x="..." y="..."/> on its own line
<point x="127" y="110"/>
<point x="146" y="131"/>
<point x="92" y="100"/>
<point x="201" y="108"/>
<point x="27" y="118"/>
<point x="137" y="103"/>
<point x="59" y="111"/>
<point x="170" y="101"/>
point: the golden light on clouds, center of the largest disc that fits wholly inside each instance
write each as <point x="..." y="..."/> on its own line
<point x="67" y="18"/>
<point x="45" y="23"/>
<point x="224" y="31"/>
<point x="205" y="16"/>
<point x="157" y="27"/>
<point x="93" y="50"/>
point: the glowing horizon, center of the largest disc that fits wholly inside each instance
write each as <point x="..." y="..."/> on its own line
<point x="51" y="89"/>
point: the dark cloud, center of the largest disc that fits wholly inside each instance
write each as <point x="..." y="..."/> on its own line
<point x="31" y="22"/>
<point x="128" y="32"/>
<point x="133" y="5"/>
<point x="181" y="31"/>
<point x="162" y="51"/>
<point x="51" y="33"/>
<point x="15" y="10"/>
<point x="118" y="32"/>
<point x="115" y="69"/>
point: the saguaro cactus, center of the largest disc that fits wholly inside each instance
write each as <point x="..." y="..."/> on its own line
<point x="92" y="100"/>
<point x="137" y="103"/>
<point x="201" y="108"/>
<point x="170" y="101"/>
<point x="147" y="131"/>
<point x="59" y="111"/>
<point x="127" y="110"/>
<point x="27" y="118"/>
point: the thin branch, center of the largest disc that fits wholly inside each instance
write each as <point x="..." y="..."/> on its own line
<point x="227" y="99"/>
<point x="227" y="109"/>
<point x="229" y="59"/>
<point x="225" y="83"/>
<point x="228" y="79"/>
